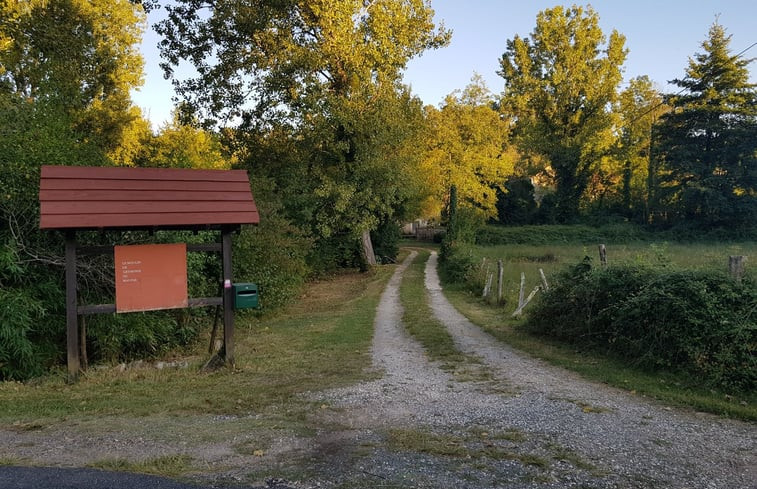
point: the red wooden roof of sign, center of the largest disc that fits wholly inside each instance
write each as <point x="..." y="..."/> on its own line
<point x="81" y="197"/>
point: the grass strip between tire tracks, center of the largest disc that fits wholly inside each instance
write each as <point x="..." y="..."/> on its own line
<point x="419" y="320"/>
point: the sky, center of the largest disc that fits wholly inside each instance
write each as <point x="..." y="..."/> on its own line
<point x="661" y="36"/>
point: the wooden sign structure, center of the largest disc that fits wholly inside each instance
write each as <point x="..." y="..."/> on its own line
<point x="151" y="277"/>
<point x="78" y="198"/>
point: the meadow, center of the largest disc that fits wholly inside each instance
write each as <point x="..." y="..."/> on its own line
<point x="552" y="258"/>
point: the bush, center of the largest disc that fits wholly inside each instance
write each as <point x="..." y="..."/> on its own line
<point x="697" y="321"/>
<point x="272" y="254"/>
<point x="492" y="235"/>
<point x="458" y="263"/>
<point x="386" y="241"/>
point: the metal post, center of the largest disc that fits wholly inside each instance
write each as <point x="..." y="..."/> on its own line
<point x="72" y="326"/>
<point x="228" y="299"/>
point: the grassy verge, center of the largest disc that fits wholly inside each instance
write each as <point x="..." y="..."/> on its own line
<point x="321" y="341"/>
<point x="667" y="387"/>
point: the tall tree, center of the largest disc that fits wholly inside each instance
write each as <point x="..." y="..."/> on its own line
<point x="325" y="73"/>
<point x="467" y="147"/>
<point x="560" y="85"/>
<point x="66" y="68"/>
<point x="706" y="147"/>
<point x="79" y="56"/>
<point x="641" y="106"/>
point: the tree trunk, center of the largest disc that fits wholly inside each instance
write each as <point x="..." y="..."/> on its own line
<point x="368" y="254"/>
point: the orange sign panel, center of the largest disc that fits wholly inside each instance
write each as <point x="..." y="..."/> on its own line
<point x="151" y="277"/>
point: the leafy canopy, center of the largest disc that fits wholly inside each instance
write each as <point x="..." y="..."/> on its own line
<point x="560" y="85"/>
<point x="706" y="148"/>
<point x="467" y="147"/>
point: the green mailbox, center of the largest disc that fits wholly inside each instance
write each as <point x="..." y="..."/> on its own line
<point x="245" y="296"/>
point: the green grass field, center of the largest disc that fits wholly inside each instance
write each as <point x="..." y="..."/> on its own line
<point x="529" y="259"/>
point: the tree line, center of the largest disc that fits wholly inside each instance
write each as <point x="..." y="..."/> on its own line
<point x="308" y="96"/>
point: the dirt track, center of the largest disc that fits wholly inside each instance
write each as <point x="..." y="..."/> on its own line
<point x="522" y="425"/>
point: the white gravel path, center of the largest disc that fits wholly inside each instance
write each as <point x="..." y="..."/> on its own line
<point x="594" y="436"/>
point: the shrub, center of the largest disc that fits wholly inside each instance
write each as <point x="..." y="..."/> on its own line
<point x="272" y="254"/>
<point x="492" y="235"/>
<point x="386" y="241"/>
<point x="696" y="321"/>
<point x="458" y="263"/>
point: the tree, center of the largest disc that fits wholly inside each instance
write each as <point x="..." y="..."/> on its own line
<point x="66" y="68"/>
<point x="78" y="56"/>
<point x="641" y="105"/>
<point x="180" y="145"/>
<point x="467" y="147"/>
<point x="706" y="147"/>
<point x="560" y="86"/>
<point x="322" y="77"/>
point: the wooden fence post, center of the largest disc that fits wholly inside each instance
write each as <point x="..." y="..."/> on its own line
<point x="736" y="267"/>
<point x="603" y="255"/>
<point x="488" y="286"/>
<point x="501" y="274"/>
<point x="522" y="293"/>
<point x="543" y="280"/>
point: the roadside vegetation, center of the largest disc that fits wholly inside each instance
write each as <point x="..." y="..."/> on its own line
<point x="321" y="340"/>
<point x="662" y="320"/>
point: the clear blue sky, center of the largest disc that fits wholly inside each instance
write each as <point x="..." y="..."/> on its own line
<point x="661" y="35"/>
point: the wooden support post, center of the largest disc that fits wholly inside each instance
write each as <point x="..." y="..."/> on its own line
<point x="72" y="322"/>
<point x="736" y="267"/>
<point x="228" y="299"/>
<point x="488" y="286"/>
<point x="603" y="255"/>
<point x="500" y="280"/>
<point x="83" y="359"/>
<point x="521" y="294"/>
<point x="544" y="283"/>
<point x="523" y="304"/>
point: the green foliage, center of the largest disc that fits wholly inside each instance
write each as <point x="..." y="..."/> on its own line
<point x="79" y="56"/>
<point x="66" y="70"/>
<point x="640" y="107"/>
<point x="458" y="263"/>
<point x="705" y="151"/>
<point x="493" y="235"/>
<point x="126" y="337"/>
<point x="449" y="235"/>
<point x="516" y="205"/>
<point x="467" y="222"/>
<point x="700" y="322"/>
<point x="622" y="232"/>
<point x="456" y="257"/>
<point x="318" y="83"/>
<point x="19" y="314"/>
<point x="467" y="147"/>
<point x="559" y="86"/>
<point x="272" y="254"/>
<point x="386" y="241"/>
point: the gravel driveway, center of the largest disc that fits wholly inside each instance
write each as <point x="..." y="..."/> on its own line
<point x="499" y="420"/>
<point x="532" y="425"/>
